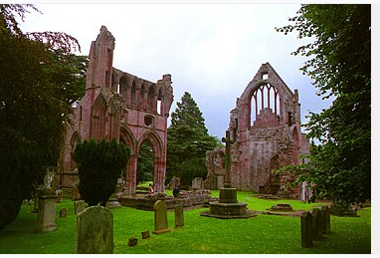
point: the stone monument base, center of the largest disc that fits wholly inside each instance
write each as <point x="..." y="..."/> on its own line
<point x="161" y="231"/>
<point x="228" y="207"/>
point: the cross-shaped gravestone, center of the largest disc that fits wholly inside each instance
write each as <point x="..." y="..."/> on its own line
<point x="227" y="177"/>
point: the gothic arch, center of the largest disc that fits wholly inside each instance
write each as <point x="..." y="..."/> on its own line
<point x="99" y="112"/>
<point x="155" y="142"/>
<point x="127" y="137"/>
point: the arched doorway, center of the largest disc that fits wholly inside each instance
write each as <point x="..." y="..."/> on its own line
<point x="145" y="164"/>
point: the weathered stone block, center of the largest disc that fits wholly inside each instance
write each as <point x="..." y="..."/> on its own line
<point x="46" y="213"/>
<point x="178" y="213"/>
<point x="94" y="231"/>
<point x="306" y="229"/>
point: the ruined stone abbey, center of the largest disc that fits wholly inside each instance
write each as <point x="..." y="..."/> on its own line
<point x="122" y="106"/>
<point x="264" y="125"/>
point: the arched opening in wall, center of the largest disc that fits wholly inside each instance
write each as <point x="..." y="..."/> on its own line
<point x="141" y="98"/>
<point x="73" y="144"/>
<point x="145" y="165"/>
<point x="98" y="125"/>
<point x="133" y="94"/>
<point x="122" y="88"/>
<point x="159" y="102"/>
<point x="265" y="106"/>
<point x="151" y="99"/>
<point x="296" y="146"/>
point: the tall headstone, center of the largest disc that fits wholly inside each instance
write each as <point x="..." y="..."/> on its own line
<point x="306" y="229"/>
<point x="46" y="212"/>
<point x="95" y="231"/>
<point x="327" y="219"/>
<point x="316" y="224"/>
<point x="160" y="217"/>
<point x="178" y="210"/>
<point x="197" y="183"/>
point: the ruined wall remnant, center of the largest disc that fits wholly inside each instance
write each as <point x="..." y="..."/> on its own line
<point x="122" y="106"/>
<point x="266" y="129"/>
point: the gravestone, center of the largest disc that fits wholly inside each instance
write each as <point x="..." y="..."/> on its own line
<point x="63" y="213"/>
<point x="160" y="218"/>
<point x="80" y="206"/>
<point x="283" y="207"/>
<point x="327" y="219"/>
<point x="178" y="210"/>
<point x="197" y="183"/>
<point x="306" y="229"/>
<point x="132" y="241"/>
<point x="59" y="194"/>
<point x="95" y="231"/>
<point x="175" y="181"/>
<point x="316" y="224"/>
<point x="46" y="212"/>
<point x="145" y="234"/>
<point x="322" y="214"/>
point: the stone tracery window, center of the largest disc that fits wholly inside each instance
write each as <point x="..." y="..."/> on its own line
<point x="265" y="99"/>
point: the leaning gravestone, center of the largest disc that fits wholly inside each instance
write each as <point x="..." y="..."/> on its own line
<point x="178" y="210"/>
<point x="94" y="231"/>
<point x="160" y="218"/>
<point x="306" y="229"/>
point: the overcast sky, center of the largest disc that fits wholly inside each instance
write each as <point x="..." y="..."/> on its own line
<point x="212" y="51"/>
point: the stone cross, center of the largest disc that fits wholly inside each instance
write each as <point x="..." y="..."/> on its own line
<point x="95" y="231"/>
<point x="227" y="176"/>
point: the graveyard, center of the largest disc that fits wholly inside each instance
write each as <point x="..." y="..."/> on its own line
<point x="263" y="234"/>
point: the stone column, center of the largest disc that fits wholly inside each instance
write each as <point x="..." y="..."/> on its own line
<point x="46" y="213"/>
<point x="130" y="176"/>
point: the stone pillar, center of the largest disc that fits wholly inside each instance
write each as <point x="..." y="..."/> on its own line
<point x="306" y="229"/>
<point x="130" y="176"/>
<point x="46" y="213"/>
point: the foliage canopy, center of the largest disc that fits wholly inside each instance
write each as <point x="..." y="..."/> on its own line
<point x="34" y="106"/>
<point x="340" y="67"/>
<point x="188" y="141"/>
<point x="100" y="164"/>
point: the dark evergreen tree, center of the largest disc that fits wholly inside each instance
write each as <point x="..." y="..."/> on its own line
<point x="100" y="164"/>
<point x="188" y="141"/>
<point x="33" y="110"/>
<point x="340" y="67"/>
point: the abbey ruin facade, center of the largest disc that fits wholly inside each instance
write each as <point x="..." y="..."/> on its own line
<point x="265" y="126"/>
<point x="122" y="106"/>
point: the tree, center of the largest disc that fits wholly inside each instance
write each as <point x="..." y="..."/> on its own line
<point x="340" y="67"/>
<point x="100" y="164"/>
<point x="188" y="141"/>
<point x="145" y="163"/>
<point x="33" y="112"/>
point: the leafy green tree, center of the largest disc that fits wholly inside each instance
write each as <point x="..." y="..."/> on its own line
<point x="100" y="164"/>
<point x="33" y="111"/>
<point x="340" y="67"/>
<point x="145" y="163"/>
<point x="188" y="141"/>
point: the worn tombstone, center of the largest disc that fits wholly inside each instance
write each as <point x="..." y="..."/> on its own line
<point x="145" y="234"/>
<point x="46" y="212"/>
<point x="306" y="229"/>
<point x="160" y="217"/>
<point x="322" y="214"/>
<point x="197" y="183"/>
<point x="80" y="206"/>
<point x="327" y="219"/>
<point x="316" y="224"/>
<point x="94" y="231"/>
<point x="178" y="210"/>
<point x="175" y="181"/>
<point x="132" y="241"/>
<point x="59" y="194"/>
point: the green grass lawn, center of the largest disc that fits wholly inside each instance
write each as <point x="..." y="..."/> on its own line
<point x="264" y="234"/>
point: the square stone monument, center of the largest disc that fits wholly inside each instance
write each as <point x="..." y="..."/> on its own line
<point x="46" y="212"/>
